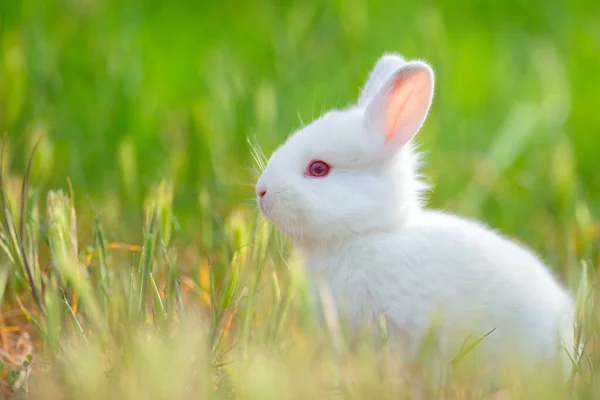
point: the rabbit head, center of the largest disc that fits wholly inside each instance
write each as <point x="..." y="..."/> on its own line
<point x="353" y="170"/>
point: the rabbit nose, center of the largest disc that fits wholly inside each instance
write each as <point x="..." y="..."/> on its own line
<point x="261" y="191"/>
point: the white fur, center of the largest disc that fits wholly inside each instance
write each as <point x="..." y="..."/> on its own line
<point x="363" y="229"/>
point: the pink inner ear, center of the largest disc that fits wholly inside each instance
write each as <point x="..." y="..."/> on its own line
<point x="407" y="105"/>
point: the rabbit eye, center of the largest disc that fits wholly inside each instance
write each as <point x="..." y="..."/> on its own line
<point x="318" y="169"/>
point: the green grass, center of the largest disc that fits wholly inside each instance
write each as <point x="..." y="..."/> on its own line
<point x="136" y="267"/>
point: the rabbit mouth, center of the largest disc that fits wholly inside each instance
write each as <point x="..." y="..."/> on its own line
<point x="273" y="217"/>
<point x="261" y="207"/>
<point x="264" y="210"/>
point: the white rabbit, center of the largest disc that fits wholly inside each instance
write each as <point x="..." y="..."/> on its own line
<point x="346" y="189"/>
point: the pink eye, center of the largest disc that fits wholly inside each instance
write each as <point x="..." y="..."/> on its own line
<point x="318" y="169"/>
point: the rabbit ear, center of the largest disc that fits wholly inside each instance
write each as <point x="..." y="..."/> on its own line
<point x="383" y="69"/>
<point x="399" y="108"/>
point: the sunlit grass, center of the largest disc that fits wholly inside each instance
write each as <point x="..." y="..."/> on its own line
<point x="127" y="320"/>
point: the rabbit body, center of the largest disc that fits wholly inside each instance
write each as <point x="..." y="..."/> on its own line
<point x="438" y="262"/>
<point x="347" y="189"/>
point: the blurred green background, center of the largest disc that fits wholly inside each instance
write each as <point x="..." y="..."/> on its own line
<point x="124" y="93"/>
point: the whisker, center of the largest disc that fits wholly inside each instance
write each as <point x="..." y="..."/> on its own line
<point x="300" y="119"/>
<point x="243" y="182"/>
<point x="260" y="160"/>
<point x="251" y="169"/>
